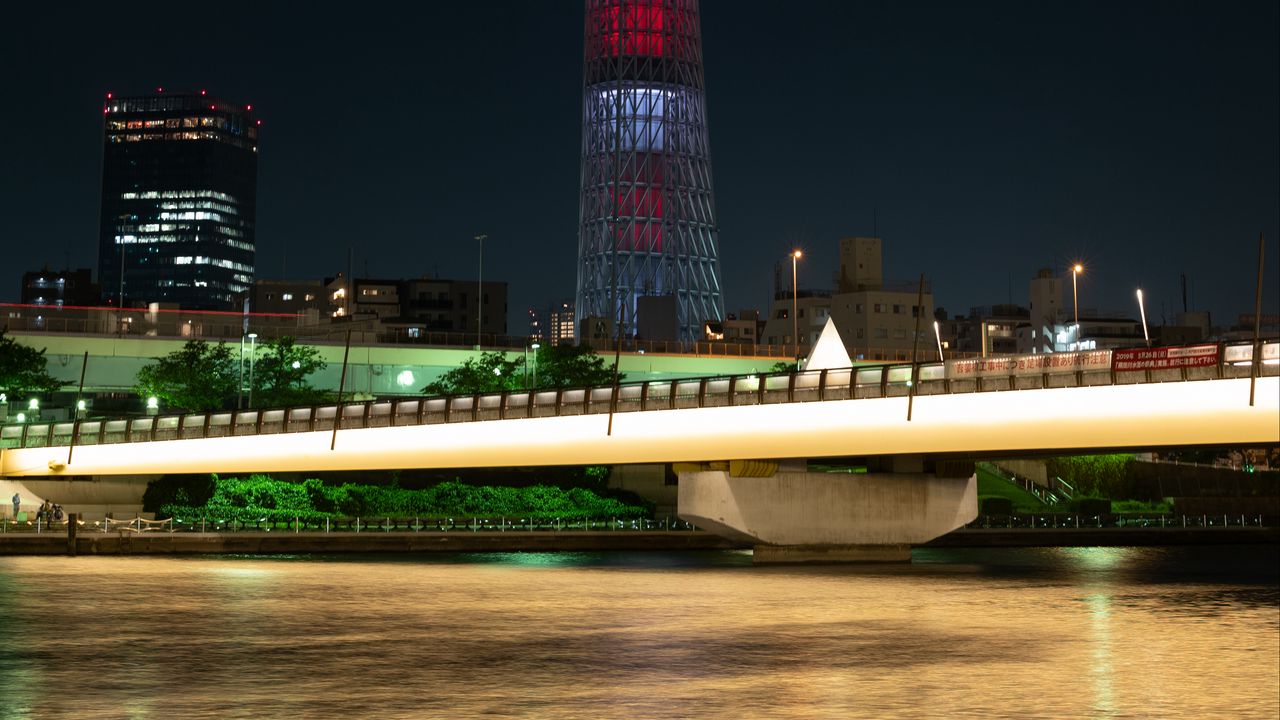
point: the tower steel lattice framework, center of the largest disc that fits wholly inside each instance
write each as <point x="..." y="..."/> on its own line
<point x="647" y="224"/>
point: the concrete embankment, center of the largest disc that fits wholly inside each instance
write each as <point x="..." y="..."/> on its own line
<point x="267" y="543"/>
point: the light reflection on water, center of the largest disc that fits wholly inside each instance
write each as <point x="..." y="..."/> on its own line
<point x="1036" y="633"/>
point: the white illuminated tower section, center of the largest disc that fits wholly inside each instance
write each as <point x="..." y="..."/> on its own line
<point x="647" y="223"/>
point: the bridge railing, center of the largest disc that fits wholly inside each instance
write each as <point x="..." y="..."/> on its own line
<point x="875" y="381"/>
<point x="381" y="523"/>
<point x="1071" y="521"/>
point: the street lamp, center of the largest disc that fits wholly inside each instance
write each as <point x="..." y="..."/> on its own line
<point x="937" y="335"/>
<point x="480" y="291"/>
<point x="1075" y="298"/>
<point x="535" y="347"/>
<point x="795" y="304"/>
<point x="1142" y="310"/>
<point x="253" y="340"/>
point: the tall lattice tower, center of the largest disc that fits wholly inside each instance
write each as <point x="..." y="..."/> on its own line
<point x="647" y="224"/>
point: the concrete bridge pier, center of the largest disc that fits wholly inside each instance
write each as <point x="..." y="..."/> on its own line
<point x="794" y="515"/>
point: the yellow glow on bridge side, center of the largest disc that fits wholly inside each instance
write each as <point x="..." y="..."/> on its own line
<point x="1211" y="412"/>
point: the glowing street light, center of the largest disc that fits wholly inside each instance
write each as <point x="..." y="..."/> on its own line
<point x="535" y="347"/>
<point x="1142" y="310"/>
<point x="937" y="335"/>
<point x="253" y="341"/>
<point x="795" y="303"/>
<point x="1075" y="298"/>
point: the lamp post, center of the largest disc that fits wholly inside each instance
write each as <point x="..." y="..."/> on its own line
<point x="253" y="340"/>
<point x="1075" y="298"/>
<point x="535" y="347"/>
<point x="480" y="291"/>
<point x="240" y="376"/>
<point x="1142" y="310"/>
<point x="795" y="304"/>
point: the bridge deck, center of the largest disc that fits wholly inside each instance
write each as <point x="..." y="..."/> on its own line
<point x="828" y="413"/>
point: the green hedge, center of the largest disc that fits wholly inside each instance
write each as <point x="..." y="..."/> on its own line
<point x="260" y="497"/>
<point x="1095" y="475"/>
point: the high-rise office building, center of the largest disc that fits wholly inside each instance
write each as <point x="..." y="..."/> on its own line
<point x="179" y="186"/>
<point x="561" y="325"/>
<point x="647" y="223"/>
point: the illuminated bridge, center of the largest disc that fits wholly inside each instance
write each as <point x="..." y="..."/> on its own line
<point x="741" y="442"/>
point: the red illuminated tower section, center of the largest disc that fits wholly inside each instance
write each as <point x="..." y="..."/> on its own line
<point x="647" y="218"/>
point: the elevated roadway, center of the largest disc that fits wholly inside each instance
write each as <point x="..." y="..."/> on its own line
<point x="808" y="415"/>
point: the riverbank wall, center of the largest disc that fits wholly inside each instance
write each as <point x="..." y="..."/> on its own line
<point x="288" y="543"/>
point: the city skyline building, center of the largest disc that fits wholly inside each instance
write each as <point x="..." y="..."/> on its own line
<point x="178" y="211"/>
<point x="561" y="325"/>
<point x="647" y="224"/>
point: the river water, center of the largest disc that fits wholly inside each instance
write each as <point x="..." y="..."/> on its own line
<point x="1027" y="633"/>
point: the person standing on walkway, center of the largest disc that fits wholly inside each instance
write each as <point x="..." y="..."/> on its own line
<point x="17" y="500"/>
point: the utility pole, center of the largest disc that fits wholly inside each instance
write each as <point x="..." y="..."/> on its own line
<point x="1257" y="326"/>
<point x="480" y="292"/>
<point x="915" y="349"/>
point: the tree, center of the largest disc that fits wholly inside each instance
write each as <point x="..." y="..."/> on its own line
<point x="558" y="366"/>
<point x="23" y="369"/>
<point x="491" y="372"/>
<point x="197" y="377"/>
<point x="280" y="374"/>
<point x="561" y="366"/>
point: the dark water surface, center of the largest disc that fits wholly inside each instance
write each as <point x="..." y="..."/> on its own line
<point x="1026" y="633"/>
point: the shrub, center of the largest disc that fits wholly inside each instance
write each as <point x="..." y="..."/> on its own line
<point x="260" y="497"/>
<point x="1107" y="475"/>
<point x="1139" y="506"/>
<point x="185" y="490"/>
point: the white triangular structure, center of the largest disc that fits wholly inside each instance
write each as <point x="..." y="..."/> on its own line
<point x="828" y="353"/>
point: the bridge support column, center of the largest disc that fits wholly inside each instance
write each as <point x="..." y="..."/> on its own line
<point x="797" y="516"/>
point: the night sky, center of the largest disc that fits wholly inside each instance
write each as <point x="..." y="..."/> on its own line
<point x="981" y="140"/>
